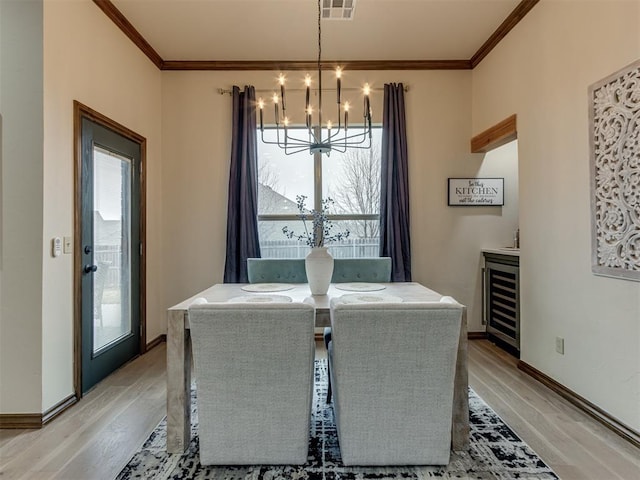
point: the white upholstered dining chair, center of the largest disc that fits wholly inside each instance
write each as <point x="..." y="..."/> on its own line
<point x="254" y="380"/>
<point x="392" y="371"/>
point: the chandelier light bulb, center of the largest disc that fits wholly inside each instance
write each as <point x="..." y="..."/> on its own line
<point x="261" y="105"/>
<point x="338" y="83"/>
<point x="281" y="80"/>
<point x="275" y="108"/>
<point x="346" y="116"/>
<point x="307" y="103"/>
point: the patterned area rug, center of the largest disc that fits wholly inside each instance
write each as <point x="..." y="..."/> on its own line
<point x="495" y="452"/>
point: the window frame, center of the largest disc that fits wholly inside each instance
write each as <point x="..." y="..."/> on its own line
<point x="317" y="191"/>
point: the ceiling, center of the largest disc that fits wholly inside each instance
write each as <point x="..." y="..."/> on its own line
<point x="286" y="30"/>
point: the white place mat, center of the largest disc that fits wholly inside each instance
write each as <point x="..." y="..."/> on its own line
<point x="359" y="286"/>
<point x="267" y="287"/>
<point x="370" y="298"/>
<point x="260" y="299"/>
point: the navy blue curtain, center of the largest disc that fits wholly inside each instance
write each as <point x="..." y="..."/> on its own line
<point x="242" y="207"/>
<point x="394" y="194"/>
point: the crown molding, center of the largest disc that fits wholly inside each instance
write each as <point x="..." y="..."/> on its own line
<point x="130" y="31"/>
<point x="505" y="27"/>
<point x="325" y="65"/>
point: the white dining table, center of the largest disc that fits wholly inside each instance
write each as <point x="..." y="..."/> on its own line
<point x="179" y="352"/>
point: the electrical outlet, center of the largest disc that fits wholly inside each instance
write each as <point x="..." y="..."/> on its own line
<point x="560" y="345"/>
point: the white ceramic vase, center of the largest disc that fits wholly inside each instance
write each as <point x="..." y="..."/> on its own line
<point x="319" y="267"/>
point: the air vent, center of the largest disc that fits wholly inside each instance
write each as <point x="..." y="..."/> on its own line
<point x="338" y="9"/>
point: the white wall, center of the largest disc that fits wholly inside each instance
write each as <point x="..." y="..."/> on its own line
<point x="87" y="58"/>
<point x="541" y="72"/>
<point x="446" y="241"/>
<point x="503" y="162"/>
<point x="22" y="177"/>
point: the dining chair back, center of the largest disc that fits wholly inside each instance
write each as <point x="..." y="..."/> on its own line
<point x="276" y="270"/>
<point x="392" y="371"/>
<point x="373" y="269"/>
<point x="292" y="270"/>
<point x="368" y="270"/>
<point x="254" y="380"/>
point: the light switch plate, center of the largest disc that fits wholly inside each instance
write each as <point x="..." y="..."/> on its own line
<point x="68" y="245"/>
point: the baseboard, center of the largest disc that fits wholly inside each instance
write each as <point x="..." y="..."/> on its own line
<point x="20" y="420"/>
<point x="156" y="341"/>
<point x="58" y="408"/>
<point x="583" y="404"/>
<point x="476" y="335"/>
<point x="33" y="421"/>
<point x="38" y="420"/>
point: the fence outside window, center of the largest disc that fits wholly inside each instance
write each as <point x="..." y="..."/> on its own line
<point x="350" y="248"/>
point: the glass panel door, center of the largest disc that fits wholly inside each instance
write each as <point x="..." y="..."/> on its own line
<point x="110" y="257"/>
<point x="112" y="247"/>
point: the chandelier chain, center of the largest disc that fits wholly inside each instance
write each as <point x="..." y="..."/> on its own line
<point x="319" y="38"/>
<point x="319" y="65"/>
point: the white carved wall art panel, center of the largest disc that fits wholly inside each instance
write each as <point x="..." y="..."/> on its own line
<point x="614" y="114"/>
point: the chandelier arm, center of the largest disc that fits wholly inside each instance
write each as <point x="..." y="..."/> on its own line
<point x="299" y="149"/>
<point x="334" y="134"/>
<point x="358" y="137"/>
<point x="269" y="142"/>
<point x="353" y="139"/>
<point x="313" y="138"/>
<point x="296" y="140"/>
<point x="342" y="148"/>
<point x="280" y="143"/>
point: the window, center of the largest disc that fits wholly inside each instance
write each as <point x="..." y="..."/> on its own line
<point x="351" y="179"/>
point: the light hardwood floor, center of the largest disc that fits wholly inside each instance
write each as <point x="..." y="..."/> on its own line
<point x="95" y="438"/>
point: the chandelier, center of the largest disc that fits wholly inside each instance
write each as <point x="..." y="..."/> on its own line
<point x="338" y="137"/>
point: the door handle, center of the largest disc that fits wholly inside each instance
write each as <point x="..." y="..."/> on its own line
<point x="90" y="268"/>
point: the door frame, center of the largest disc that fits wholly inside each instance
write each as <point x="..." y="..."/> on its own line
<point x="81" y="111"/>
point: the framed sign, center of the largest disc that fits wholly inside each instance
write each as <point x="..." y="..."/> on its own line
<point x="476" y="192"/>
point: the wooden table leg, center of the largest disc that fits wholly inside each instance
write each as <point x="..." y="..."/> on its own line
<point x="460" y="425"/>
<point x="178" y="383"/>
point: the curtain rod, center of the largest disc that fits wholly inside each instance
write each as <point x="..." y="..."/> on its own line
<point x="224" y="91"/>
